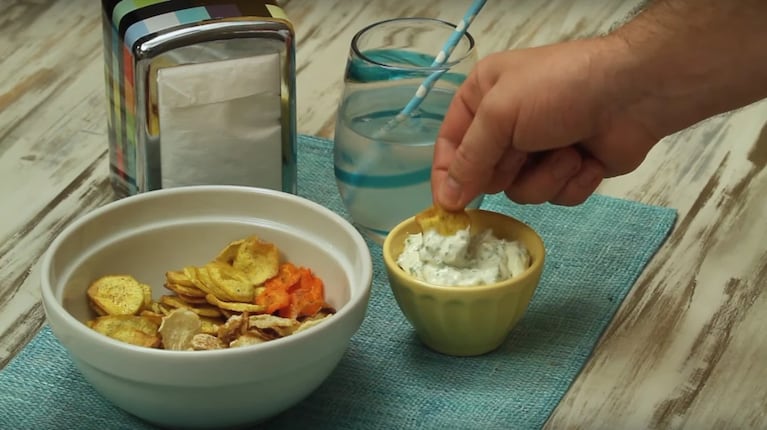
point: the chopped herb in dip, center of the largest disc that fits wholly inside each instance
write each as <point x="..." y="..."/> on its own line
<point x="462" y="259"/>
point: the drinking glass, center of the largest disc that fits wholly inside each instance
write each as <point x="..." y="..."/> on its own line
<point x="383" y="168"/>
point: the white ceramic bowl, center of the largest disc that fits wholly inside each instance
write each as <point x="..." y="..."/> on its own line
<point x="148" y="234"/>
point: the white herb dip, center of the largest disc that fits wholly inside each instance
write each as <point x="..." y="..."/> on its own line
<point x="462" y="260"/>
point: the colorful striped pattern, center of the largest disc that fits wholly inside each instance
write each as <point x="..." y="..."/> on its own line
<point x="127" y="24"/>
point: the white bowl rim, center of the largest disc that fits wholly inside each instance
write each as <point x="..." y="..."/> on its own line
<point x="49" y="300"/>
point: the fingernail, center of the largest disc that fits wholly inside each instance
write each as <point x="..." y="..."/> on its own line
<point x="565" y="166"/>
<point x="450" y="192"/>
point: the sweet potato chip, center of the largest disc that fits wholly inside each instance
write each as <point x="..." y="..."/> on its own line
<point x="276" y="293"/>
<point x="444" y="222"/>
<point x="119" y="295"/>
<point x="136" y="330"/>
<point x="96" y="308"/>
<point x="307" y="295"/>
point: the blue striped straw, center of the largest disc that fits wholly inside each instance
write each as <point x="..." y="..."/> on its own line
<point x="439" y="60"/>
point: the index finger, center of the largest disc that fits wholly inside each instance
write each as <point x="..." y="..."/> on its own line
<point x="471" y="141"/>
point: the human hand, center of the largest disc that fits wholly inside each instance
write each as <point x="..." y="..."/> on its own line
<point x="540" y="124"/>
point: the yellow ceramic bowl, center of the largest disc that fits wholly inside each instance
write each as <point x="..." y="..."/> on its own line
<point x="465" y="321"/>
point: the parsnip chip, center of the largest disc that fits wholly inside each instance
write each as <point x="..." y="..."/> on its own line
<point x="228" y="314"/>
<point x="309" y="323"/>
<point x="234" y="326"/>
<point x="444" y="222"/>
<point x="281" y="326"/>
<point x="119" y="295"/>
<point x="136" y="330"/>
<point x="247" y="340"/>
<point x="203" y="342"/>
<point x="259" y="260"/>
<point x="178" y="329"/>
<point x="233" y="306"/>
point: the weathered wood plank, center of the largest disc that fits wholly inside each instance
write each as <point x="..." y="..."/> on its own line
<point x="685" y="349"/>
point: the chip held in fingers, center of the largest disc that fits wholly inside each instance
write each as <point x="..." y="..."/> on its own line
<point x="244" y="296"/>
<point x="446" y="223"/>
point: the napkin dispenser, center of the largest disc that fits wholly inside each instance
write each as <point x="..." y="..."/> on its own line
<point x="199" y="93"/>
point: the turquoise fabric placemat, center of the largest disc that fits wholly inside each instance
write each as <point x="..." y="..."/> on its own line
<point x="387" y="379"/>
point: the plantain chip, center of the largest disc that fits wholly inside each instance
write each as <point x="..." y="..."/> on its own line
<point x="187" y="290"/>
<point x="119" y="295"/>
<point x="178" y="328"/>
<point x="259" y="260"/>
<point x="136" y="330"/>
<point x="191" y="299"/>
<point x="234" y="306"/>
<point x="180" y="278"/>
<point x="227" y="283"/>
<point x="202" y="310"/>
<point x="190" y="272"/>
<point x="444" y="222"/>
<point x="229" y="253"/>
<point x="150" y="313"/>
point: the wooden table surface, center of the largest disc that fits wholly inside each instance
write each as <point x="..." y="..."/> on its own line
<point x="687" y="348"/>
